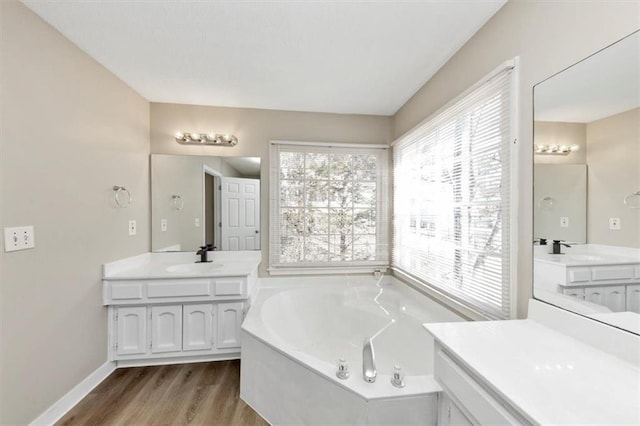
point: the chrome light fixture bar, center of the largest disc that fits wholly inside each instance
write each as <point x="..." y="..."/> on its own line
<point x="555" y="149"/>
<point x="206" y="139"/>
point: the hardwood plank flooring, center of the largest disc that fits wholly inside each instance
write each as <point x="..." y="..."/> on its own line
<point x="205" y="393"/>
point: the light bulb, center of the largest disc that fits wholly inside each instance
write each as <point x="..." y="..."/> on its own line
<point x="195" y="136"/>
<point x="179" y="135"/>
<point x="574" y="147"/>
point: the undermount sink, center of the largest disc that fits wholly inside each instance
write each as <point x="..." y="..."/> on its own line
<point x="193" y="267"/>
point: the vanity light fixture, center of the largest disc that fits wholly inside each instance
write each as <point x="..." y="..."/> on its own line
<point x="555" y="149"/>
<point x="206" y="139"/>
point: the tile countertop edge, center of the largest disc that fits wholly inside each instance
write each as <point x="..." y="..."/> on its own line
<point x="530" y="406"/>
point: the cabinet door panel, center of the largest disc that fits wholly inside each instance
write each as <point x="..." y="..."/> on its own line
<point x="131" y="330"/>
<point x="166" y="329"/>
<point x="633" y="298"/>
<point x="616" y="298"/>
<point x="578" y="293"/>
<point x="198" y="327"/>
<point x="595" y="295"/>
<point x="229" y="321"/>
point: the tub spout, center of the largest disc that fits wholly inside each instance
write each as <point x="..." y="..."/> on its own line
<point x="368" y="362"/>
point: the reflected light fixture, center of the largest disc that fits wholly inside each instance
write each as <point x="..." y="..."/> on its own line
<point x="555" y="149"/>
<point x="206" y="139"/>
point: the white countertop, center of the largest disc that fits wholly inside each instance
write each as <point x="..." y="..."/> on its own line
<point x="182" y="265"/>
<point x="549" y="377"/>
<point x="588" y="255"/>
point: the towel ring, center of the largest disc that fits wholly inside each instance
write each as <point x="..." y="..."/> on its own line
<point x="177" y="201"/>
<point x="546" y="203"/>
<point x="122" y="203"/>
<point x="629" y="197"/>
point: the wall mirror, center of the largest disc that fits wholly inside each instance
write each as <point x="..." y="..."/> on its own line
<point x="198" y="200"/>
<point x="587" y="186"/>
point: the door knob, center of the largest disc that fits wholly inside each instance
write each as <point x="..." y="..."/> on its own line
<point x="257" y="231"/>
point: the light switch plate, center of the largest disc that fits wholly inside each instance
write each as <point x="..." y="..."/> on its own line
<point x="132" y="227"/>
<point x="564" y="222"/>
<point x="163" y="225"/>
<point x="19" y="238"/>
<point x="614" y="223"/>
<point x="196" y="222"/>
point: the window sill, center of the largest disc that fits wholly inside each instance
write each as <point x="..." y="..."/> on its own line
<point x="328" y="270"/>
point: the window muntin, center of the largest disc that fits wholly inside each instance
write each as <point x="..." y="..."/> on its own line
<point x="328" y="206"/>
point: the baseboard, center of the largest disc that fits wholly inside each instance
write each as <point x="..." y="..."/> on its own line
<point x="75" y="395"/>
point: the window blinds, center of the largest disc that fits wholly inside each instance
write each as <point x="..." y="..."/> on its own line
<point x="452" y="199"/>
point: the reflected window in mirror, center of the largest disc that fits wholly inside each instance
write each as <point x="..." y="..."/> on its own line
<point x="585" y="196"/>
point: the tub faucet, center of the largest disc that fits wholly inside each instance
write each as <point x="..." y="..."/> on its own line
<point x="368" y="362"/>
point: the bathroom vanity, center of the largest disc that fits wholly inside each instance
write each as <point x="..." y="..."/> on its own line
<point x="555" y="367"/>
<point x="166" y="308"/>
<point x="604" y="275"/>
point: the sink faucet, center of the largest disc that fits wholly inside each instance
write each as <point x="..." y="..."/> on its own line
<point x="203" y="254"/>
<point x="368" y="362"/>
<point x="557" y="246"/>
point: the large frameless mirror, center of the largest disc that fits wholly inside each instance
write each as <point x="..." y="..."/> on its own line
<point x="200" y="200"/>
<point x="587" y="186"/>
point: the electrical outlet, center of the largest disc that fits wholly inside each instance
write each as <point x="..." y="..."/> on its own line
<point x="19" y="238"/>
<point x="163" y="225"/>
<point x="132" y="227"/>
<point x="614" y="223"/>
<point x="196" y="222"/>
<point x="564" y="222"/>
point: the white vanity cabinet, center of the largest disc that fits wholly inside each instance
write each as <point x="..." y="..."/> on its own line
<point x="131" y="331"/>
<point x="633" y="298"/>
<point x="197" y="323"/>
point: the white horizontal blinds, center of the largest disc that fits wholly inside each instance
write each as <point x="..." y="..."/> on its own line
<point x="327" y="206"/>
<point x="452" y="199"/>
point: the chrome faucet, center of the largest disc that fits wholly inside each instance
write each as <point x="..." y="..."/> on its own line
<point x="368" y="362"/>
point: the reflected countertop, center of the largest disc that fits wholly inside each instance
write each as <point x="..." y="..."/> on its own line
<point x="182" y="265"/>
<point x="588" y="255"/>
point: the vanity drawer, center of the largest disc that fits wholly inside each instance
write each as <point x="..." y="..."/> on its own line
<point x="481" y="404"/>
<point x="178" y="288"/>
<point x="127" y="291"/>
<point x="612" y="273"/>
<point x="229" y="287"/>
<point x="579" y="275"/>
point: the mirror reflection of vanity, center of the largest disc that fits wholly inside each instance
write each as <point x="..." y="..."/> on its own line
<point x="587" y="186"/>
<point x="200" y="200"/>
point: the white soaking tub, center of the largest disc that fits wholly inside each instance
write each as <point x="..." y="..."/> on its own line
<point x="298" y="328"/>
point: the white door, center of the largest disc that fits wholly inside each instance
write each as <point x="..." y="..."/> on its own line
<point x="198" y="327"/>
<point x="633" y="298"/>
<point x="229" y="322"/>
<point x="131" y="330"/>
<point x="615" y="298"/>
<point x="240" y="215"/>
<point x="166" y="329"/>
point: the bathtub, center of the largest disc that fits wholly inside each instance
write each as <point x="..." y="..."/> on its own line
<point x="298" y="328"/>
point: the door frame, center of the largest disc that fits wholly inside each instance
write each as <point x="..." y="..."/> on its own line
<point x="208" y="170"/>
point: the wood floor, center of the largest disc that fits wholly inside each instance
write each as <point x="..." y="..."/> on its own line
<point x="183" y="394"/>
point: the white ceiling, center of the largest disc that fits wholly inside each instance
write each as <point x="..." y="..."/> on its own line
<point x="365" y="57"/>
<point x="602" y="85"/>
<point x="247" y="166"/>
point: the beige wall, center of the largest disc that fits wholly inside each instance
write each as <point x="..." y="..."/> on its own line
<point x="558" y="133"/>
<point x="254" y="129"/>
<point x="70" y="131"/>
<point x="548" y="37"/>
<point x="613" y="156"/>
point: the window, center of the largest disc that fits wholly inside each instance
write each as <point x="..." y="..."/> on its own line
<point x="453" y="195"/>
<point x="328" y="206"/>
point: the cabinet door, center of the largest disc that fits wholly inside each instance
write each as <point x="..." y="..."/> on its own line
<point x="633" y="298"/>
<point x="198" y="327"/>
<point x="578" y="293"/>
<point x="449" y="414"/>
<point x="595" y="295"/>
<point x="615" y="298"/>
<point x="229" y="321"/>
<point x="131" y="330"/>
<point x="166" y="329"/>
